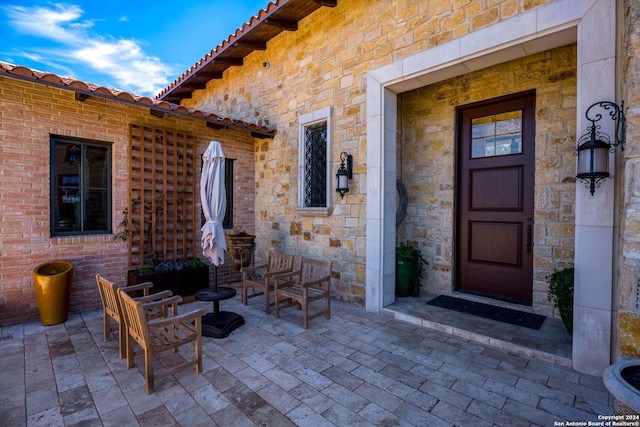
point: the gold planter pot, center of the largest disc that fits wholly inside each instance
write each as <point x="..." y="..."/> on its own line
<point x="52" y="283"/>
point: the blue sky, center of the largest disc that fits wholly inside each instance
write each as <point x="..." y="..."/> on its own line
<point x="138" y="46"/>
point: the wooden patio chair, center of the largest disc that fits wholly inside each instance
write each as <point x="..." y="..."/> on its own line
<point x="111" y="307"/>
<point x="312" y="282"/>
<point x="259" y="277"/>
<point x="158" y="335"/>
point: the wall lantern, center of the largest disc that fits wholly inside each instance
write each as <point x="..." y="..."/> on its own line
<point x="344" y="173"/>
<point x="594" y="146"/>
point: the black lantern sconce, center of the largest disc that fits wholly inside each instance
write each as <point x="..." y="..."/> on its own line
<point x="594" y="146"/>
<point x="344" y="174"/>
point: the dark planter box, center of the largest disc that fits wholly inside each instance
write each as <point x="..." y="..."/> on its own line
<point x="181" y="282"/>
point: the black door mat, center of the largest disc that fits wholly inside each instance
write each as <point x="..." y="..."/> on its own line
<point x="501" y="314"/>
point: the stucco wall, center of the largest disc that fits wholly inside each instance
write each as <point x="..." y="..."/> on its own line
<point x="324" y="64"/>
<point x="427" y="162"/>
<point x="30" y="113"/>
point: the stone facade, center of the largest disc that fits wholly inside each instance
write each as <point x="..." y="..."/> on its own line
<point x="324" y="64"/>
<point x="629" y="275"/>
<point x="427" y="162"/>
<point x="31" y="112"/>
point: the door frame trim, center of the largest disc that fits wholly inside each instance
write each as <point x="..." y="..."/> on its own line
<point x="552" y="25"/>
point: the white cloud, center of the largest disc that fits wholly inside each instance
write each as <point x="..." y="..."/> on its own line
<point x="36" y="57"/>
<point x="49" y="23"/>
<point x="146" y="73"/>
<point x="75" y="45"/>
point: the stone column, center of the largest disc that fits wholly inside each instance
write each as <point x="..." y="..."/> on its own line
<point x="595" y="225"/>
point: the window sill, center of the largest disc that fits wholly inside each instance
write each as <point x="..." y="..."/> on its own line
<point x="314" y="211"/>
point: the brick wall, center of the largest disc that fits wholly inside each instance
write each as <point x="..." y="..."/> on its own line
<point x="29" y="114"/>
<point x="324" y="63"/>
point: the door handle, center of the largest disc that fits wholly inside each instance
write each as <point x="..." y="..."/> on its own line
<point x="529" y="234"/>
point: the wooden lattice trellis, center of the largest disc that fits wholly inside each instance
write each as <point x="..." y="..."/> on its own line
<point x="161" y="217"/>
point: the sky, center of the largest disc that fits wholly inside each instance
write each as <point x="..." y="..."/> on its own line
<point x="137" y="46"/>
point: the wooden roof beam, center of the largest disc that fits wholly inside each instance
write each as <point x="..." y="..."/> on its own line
<point x="283" y="24"/>
<point x="217" y="126"/>
<point x="328" y="3"/>
<point x="255" y="45"/>
<point x="209" y="75"/>
<point x="237" y="62"/>
<point x="159" y="114"/>
<point x="195" y="85"/>
<point x="260" y="135"/>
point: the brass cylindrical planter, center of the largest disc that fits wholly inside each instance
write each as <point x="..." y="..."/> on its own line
<point x="240" y="250"/>
<point x="52" y="283"/>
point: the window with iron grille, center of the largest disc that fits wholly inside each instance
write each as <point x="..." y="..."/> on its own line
<point x="314" y="169"/>
<point x="315" y="165"/>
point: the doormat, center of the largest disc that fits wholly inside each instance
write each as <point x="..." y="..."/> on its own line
<point x="501" y="314"/>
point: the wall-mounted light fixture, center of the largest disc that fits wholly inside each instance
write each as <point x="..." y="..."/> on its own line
<point x="594" y="146"/>
<point x="344" y="173"/>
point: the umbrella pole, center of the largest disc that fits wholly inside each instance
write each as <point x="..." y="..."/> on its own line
<point x="216" y="303"/>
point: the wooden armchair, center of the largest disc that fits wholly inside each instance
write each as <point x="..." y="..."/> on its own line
<point x="111" y="307"/>
<point x="158" y="335"/>
<point x="298" y="288"/>
<point x="262" y="283"/>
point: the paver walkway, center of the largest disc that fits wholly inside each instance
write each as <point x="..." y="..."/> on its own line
<point x="357" y="369"/>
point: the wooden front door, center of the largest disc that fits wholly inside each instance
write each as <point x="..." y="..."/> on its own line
<point x="494" y="242"/>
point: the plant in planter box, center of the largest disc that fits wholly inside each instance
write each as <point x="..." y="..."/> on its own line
<point x="150" y="227"/>
<point x="180" y="277"/>
<point x="240" y="246"/>
<point x="561" y="293"/>
<point x="409" y="269"/>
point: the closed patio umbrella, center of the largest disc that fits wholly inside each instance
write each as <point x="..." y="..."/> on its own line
<point x="214" y="204"/>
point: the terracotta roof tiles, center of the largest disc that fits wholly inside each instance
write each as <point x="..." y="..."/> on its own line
<point x="49" y="79"/>
<point x="278" y="16"/>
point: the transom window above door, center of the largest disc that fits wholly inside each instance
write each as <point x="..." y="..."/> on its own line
<point x="496" y="135"/>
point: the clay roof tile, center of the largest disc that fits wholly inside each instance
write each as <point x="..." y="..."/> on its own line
<point x="22" y="71"/>
<point x="77" y="84"/>
<point x="253" y="30"/>
<point x="51" y="78"/>
<point x="145" y="100"/>
<point x="25" y="73"/>
<point x="101" y="90"/>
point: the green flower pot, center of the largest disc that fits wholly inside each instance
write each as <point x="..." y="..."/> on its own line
<point x="406" y="276"/>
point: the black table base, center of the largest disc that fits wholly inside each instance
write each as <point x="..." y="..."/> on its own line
<point x="218" y="324"/>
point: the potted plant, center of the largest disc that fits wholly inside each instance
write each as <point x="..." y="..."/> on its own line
<point x="180" y="277"/>
<point x="561" y="293"/>
<point x="240" y="246"/>
<point x="150" y="248"/>
<point x="409" y="268"/>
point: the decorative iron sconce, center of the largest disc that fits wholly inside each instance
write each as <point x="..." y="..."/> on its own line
<point x="594" y="146"/>
<point x="344" y="173"/>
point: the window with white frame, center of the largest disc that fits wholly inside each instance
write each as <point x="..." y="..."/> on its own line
<point x="314" y="162"/>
